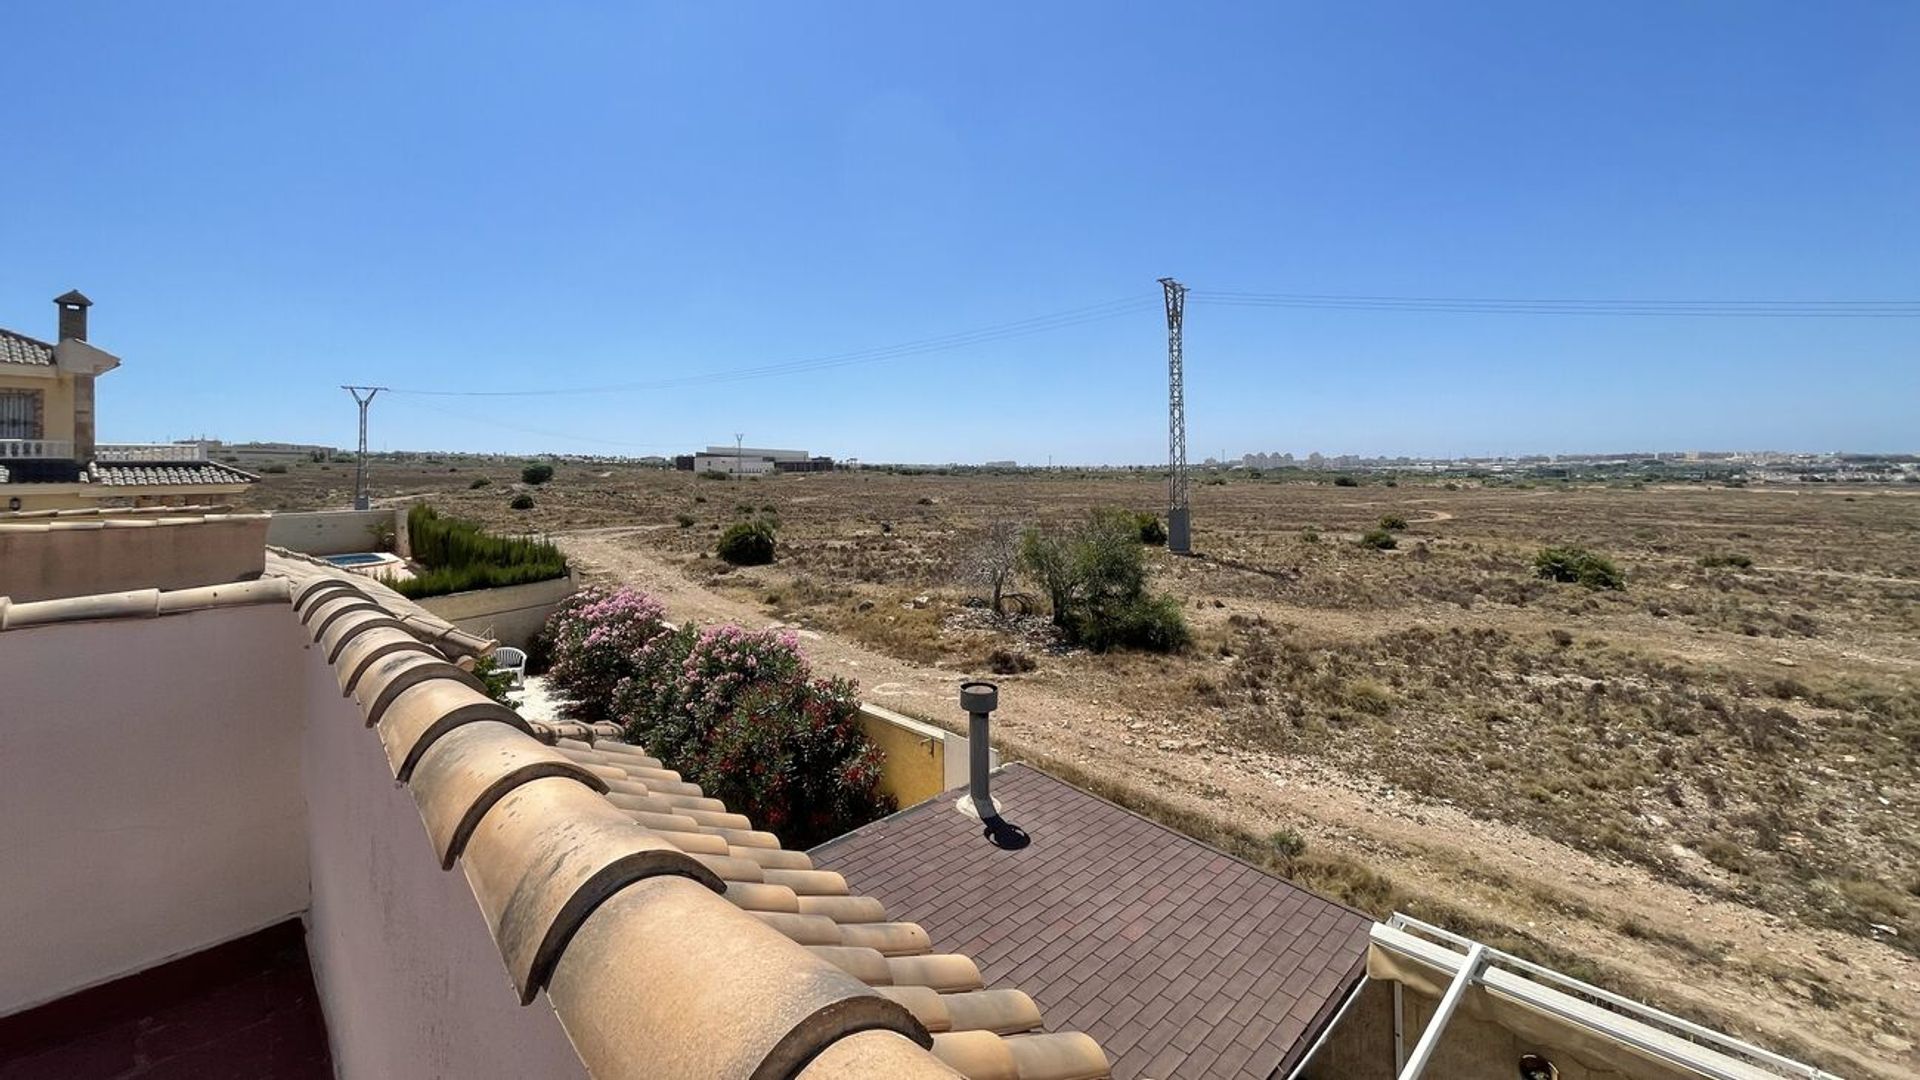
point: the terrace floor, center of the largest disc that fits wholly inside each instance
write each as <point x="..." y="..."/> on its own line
<point x="245" y="1009"/>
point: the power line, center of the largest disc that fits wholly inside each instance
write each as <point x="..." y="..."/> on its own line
<point x="944" y="343"/>
<point x="506" y="426"/>
<point x="1673" y="308"/>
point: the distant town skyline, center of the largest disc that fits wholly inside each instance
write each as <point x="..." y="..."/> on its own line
<point x="737" y="235"/>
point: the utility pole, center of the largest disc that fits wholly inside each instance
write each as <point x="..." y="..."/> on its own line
<point x="737" y="453"/>
<point x="1179" y="511"/>
<point x="360" y="461"/>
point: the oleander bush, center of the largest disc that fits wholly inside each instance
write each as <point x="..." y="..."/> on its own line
<point x="597" y="638"/>
<point x="738" y="712"/>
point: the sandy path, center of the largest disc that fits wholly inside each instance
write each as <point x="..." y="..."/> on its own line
<point x="1425" y="848"/>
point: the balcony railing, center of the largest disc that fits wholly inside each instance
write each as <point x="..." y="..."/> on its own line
<point x="150" y="452"/>
<point x="62" y="450"/>
<point x="36" y="449"/>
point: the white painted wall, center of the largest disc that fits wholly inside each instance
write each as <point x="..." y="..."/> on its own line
<point x="328" y="532"/>
<point x="407" y="972"/>
<point x="150" y="801"/>
<point x="511" y="614"/>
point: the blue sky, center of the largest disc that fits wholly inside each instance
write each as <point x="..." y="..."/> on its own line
<point x="266" y="201"/>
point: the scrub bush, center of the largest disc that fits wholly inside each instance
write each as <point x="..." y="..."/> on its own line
<point x="747" y="543"/>
<point x="1574" y="564"/>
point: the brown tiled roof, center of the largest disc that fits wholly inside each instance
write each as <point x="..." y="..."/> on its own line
<point x="1181" y="960"/>
<point x="131" y="474"/>
<point x="21" y="349"/>
<point x="671" y="937"/>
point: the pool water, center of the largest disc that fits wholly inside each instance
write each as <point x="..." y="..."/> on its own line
<point x="359" y="558"/>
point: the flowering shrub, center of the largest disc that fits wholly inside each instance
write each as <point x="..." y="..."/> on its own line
<point x="739" y="713"/>
<point x="794" y="753"/>
<point x="597" y="636"/>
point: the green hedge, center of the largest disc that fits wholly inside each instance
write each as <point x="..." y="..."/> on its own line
<point x="457" y="556"/>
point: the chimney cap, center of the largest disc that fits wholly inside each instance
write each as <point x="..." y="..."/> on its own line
<point x="73" y="298"/>
<point x="979" y="696"/>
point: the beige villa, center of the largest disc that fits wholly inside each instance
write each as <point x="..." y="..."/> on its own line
<point x="49" y="458"/>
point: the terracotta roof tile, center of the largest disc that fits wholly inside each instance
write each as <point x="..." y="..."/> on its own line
<point x="470" y="768"/>
<point x="17" y="348"/>
<point x="549" y="853"/>
<point x="876" y="1055"/>
<point x="182" y="473"/>
<point x="672" y="938"/>
<point x="744" y="1002"/>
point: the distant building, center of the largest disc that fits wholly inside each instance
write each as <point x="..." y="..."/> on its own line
<point x="752" y="461"/>
<point x="49" y="459"/>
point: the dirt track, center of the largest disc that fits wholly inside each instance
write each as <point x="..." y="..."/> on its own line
<point x="1428" y="849"/>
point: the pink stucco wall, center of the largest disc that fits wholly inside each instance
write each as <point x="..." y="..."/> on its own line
<point x="150" y="801"/>
<point x="170" y="783"/>
<point x="409" y="976"/>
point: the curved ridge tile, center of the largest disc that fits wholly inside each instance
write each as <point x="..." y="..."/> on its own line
<point x="1066" y="1055"/>
<point x="548" y="853"/>
<point x="1003" y="1012"/>
<point x="320" y="615"/>
<point x="428" y="710"/>
<point x="745" y="1003"/>
<point x="876" y="1055"/>
<point x="864" y="964"/>
<point x="945" y="972"/>
<point x="308" y="594"/>
<point x="801" y="929"/>
<point x="369" y="648"/>
<point x="810" y="882"/>
<point x="469" y="769"/>
<point x="390" y="676"/>
<point x="888" y="938"/>
<point x="929" y="1006"/>
<point x="976" y="1055"/>
<point x="843" y="909"/>
<point x="341" y="632"/>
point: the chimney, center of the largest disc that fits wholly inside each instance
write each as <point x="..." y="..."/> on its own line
<point x="73" y="314"/>
<point x="979" y="698"/>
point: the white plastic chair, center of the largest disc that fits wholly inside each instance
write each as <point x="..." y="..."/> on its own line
<point x="508" y="658"/>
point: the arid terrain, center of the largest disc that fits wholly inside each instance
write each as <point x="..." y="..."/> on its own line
<point x="1700" y="789"/>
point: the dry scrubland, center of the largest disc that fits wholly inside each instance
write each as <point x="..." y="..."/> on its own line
<point x="1747" y="733"/>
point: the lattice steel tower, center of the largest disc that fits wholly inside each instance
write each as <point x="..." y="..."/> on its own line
<point x="1179" y="513"/>
<point x="362" y="396"/>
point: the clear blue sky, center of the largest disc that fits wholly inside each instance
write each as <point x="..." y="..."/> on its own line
<point x="265" y="201"/>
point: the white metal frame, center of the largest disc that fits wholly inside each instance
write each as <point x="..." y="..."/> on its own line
<point x="1504" y="973"/>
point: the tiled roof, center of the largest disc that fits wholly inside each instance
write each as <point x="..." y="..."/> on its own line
<point x="670" y="937"/>
<point x="1181" y="961"/>
<point x="21" y="349"/>
<point x="130" y="474"/>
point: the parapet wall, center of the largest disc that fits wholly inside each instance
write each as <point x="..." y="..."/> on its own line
<point x="53" y="558"/>
<point x="510" y="615"/>
<point x="150" y="801"/>
<point x="334" y="532"/>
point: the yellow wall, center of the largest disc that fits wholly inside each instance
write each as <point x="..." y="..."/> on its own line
<point x="57" y="414"/>
<point x="916" y="764"/>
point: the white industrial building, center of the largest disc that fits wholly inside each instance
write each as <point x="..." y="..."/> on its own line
<point x="756" y="461"/>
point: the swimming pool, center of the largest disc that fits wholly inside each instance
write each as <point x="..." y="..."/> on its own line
<point x="360" y="558"/>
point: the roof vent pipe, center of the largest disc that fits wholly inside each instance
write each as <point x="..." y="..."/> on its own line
<point x="979" y="699"/>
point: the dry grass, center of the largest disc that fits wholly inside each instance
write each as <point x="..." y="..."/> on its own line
<point x="1749" y="730"/>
